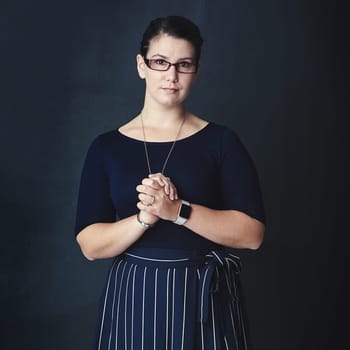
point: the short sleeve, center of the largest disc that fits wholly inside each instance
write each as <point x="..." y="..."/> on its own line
<point x="239" y="180"/>
<point x="94" y="201"/>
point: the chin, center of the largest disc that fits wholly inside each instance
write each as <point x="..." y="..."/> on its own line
<point x="170" y="102"/>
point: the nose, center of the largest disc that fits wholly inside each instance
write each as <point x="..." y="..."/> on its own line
<point x="172" y="74"/>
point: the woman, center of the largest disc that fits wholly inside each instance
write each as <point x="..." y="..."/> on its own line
<point x="182" y="189"/>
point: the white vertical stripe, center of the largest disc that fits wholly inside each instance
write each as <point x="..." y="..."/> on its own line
<point x="231" y="308"/>
<point x="226" y="343"/>
<point x="167" y="312"/>
<point x="229" y="287"/>
<point x="242" y="327"/>
<point x="202" y="334"/>
<point x="126" y="308"/>
<point x="133" y="309"/>
<point x="201" y="315"/>
<point x="105" y="301"/>
<point x="143" y="306"/>
<point x="202" y="295"/>
<point x="213" y="320"/>
<point x="116" y="332"/>
<point x="173" y="312"/>
<point x="217" y="257"/>
<point x="155" y="310"/>
<point x="233" y="326"/>
<point x="184" y="312"/>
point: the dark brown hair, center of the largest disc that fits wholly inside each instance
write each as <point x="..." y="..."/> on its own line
<point x="175" y="26"/>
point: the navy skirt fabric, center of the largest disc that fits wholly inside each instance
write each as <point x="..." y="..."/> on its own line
<point x="176" y="300"/>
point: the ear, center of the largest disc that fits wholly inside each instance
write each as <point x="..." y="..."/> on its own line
<point x="140" y="66"/>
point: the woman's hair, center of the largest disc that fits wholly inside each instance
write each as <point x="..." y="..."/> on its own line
<point x="175" y="26"/>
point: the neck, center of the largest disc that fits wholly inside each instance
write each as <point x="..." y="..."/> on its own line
<point x="163" y="118"/>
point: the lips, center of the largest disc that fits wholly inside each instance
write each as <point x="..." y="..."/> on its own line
<point x="170" y="89"/>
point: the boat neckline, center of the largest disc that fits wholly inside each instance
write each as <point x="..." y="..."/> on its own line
<point x="198" y="132"/>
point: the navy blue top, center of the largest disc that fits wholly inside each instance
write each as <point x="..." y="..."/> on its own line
<point x="211" y="168"/>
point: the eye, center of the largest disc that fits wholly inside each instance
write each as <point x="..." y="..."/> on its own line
<point x="185" y="64"/>
<point x="160" y="62"/>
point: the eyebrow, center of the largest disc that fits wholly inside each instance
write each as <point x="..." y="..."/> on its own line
<point x="167" y="58"/>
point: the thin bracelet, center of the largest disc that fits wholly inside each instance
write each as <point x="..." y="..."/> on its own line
<point x="144" y="224"/>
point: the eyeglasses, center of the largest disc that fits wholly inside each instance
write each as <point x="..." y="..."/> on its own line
<point x="163" y="65"/>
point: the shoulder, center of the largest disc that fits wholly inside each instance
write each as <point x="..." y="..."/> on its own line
<point x="103" y="143"/>
<point x="106" y="138"/>
<point x="222" y="133"/>
<point x="227" y="141"/>
<point x="221" y="130"/>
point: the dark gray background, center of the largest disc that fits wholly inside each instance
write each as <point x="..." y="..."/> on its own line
<point x="273" y="70"/>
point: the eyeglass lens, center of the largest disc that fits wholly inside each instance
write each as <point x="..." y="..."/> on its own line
<point x="162" y="65"/>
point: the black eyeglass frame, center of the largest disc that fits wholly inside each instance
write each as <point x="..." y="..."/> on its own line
<point x="176" y="65"/>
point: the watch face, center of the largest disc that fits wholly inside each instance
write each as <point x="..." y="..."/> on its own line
<point x="185" y="211"/>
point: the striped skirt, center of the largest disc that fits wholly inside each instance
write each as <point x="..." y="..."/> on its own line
<point x="163" y="299"/>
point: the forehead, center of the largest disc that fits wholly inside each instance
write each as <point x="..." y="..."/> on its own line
<point x="171" y="47"/>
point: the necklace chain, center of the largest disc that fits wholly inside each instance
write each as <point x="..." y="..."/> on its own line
<point x="171" y="148"/>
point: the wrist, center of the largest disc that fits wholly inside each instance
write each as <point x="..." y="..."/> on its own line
<point x="144" y="224"/>
<point x="176" y="210"/>
<point x="183" y="213"/>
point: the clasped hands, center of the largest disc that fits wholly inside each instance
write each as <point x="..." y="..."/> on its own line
<point x="158" y="199"/>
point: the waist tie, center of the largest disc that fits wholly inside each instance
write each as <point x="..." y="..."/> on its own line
<point x="220" y="274"/>
<point x="193" y="295"/>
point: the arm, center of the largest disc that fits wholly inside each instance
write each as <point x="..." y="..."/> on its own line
<point x="105" y="240"/>
<point x="239" y="194"/>
<point x="97" y="232"/>
<point x="230" y="228"/>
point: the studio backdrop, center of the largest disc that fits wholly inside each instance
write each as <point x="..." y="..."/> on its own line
<point x="271" y="70"/>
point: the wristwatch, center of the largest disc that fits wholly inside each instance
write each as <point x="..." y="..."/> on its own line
<point x="184" y="213"/>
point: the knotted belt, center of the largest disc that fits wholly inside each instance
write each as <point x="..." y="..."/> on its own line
<point x="220" y="269"/>
<point x="219" y="283"/>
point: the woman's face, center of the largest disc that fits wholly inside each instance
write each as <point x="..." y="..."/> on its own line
<point x="167" y="88"/>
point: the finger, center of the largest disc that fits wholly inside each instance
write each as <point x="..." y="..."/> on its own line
<point x="146" y="190"/>
<point x="173" y="192"/>
<point x="154" y="183"/>
<point x="143" y="207"/>
<point x="140" y="206"/>
<point x="146" y="199"/>
<point x="167" y="187"/>
<point x="170" y="189"/>
<point x="160" y="178"/>
<point x="163" y="180"/>
<point x="155" y="174"/>
<point x="147" y="208"/>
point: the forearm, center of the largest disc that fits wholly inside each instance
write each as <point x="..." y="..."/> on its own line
<point x="106" y="240"/>
<point x="230" y="228"/>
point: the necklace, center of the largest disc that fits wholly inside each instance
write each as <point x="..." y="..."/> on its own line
<point x="171" y="148"/>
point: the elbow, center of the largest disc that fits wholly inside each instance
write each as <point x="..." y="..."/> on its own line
<point x="248" y="232"/>
<point x="84" y="249"/>
<point x="87" y="256"/>
<point x="258" y="237"/>
<point x="255" y="245"/>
